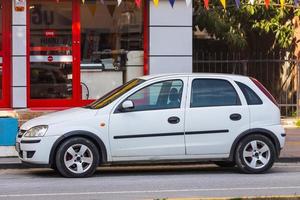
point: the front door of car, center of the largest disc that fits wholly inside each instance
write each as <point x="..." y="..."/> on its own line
<point x="154" y="126"/>
<point x="216" y="112"/>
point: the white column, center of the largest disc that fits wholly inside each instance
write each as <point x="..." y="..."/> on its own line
<point x="19" y="64"/>
<point x="171" y="37"/>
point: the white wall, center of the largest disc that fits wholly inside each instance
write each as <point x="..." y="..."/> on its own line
<point x="19" y="98"/>
<point x="171" y="37"/>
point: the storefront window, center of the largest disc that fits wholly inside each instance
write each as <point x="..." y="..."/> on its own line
<point x="50" y="49"/>
<point x="111" y="45"/>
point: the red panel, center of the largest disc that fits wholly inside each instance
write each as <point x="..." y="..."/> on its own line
<point x="6" y="53"/>
<point x="146" y="37"/>
<point x="76" y="52"/>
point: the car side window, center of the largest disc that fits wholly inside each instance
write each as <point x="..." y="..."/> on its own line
<point x="251" y="97"/>
<point x="213" y="92"/>
<point x="161" y="95"/>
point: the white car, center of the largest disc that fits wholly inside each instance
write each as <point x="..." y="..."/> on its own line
<point x="228" y="119"/>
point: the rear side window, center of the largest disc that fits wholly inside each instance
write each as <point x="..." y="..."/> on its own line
<point x="213" y="92"/>
<point x="251" y="97"/>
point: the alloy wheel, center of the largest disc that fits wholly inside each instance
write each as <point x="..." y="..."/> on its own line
<point x="256" y="154"/>
<point x="78" y="158"/>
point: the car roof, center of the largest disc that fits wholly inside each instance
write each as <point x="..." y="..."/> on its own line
<point x="232" y="76"/>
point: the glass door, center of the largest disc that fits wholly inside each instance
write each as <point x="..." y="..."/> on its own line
<point x="5" y="52"/>
<point x="52" y="43"/>
<point x="112" y="48"/>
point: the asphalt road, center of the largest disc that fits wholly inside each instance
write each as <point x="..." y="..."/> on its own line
<point x="149" y="183"/>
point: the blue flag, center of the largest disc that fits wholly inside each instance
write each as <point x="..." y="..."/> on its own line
<point x="172" y="2"/>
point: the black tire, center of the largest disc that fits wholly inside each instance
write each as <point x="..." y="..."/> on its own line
<point x="242" y="162"/>
<point x="91" y="153"/>
<point x="225" y="163"/>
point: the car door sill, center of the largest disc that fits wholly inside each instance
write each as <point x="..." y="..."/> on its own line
<point x="166" y="158"/>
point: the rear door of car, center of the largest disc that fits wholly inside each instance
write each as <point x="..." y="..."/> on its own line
<point x="216" y="112"/>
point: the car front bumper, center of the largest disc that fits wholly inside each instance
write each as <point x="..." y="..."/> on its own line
<point x="35" y="150"/>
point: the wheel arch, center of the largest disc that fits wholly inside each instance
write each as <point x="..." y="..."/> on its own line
<point x="261" y="131"/>
<point x="85" y="134"/>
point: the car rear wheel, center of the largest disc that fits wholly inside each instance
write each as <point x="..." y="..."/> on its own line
<point x="77" y="157"/>
<point x="255" y="154"/>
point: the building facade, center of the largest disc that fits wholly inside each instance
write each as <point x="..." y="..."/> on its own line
<point x="63" y="53"/>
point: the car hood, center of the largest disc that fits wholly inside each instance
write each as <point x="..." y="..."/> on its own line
<point x="59" y="117"/>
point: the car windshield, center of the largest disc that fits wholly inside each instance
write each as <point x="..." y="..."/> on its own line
<point x="114" y="94"/>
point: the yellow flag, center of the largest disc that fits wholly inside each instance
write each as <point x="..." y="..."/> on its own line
<point x="155" y="2"/>
<point x="282" y="2"/>
<point x="223" y="2"/>
<point x="92" y="8"/>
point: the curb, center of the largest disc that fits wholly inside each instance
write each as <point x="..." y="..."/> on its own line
<point x="19" y="165"/>
<point x="287" y="197"/>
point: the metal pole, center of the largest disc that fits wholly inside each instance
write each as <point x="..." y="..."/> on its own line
<point x="298" y="88"/>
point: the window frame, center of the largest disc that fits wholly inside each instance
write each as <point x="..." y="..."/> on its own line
<point x="119" y="104"/>
<point x="239" y="103"/>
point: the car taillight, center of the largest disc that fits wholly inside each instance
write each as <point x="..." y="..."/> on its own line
<point x="264" y="90"/>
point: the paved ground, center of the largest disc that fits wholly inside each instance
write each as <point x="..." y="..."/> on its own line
<point x="292" y="144"/>
<point x="149" y="183"/>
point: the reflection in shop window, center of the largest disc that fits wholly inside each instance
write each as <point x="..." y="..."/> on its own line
<point x="50" y="49"/>
<point x="111" y="45"/>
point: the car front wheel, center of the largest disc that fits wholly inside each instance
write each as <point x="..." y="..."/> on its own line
<point x="77" y="157"/>
<point x="255" y="154"/>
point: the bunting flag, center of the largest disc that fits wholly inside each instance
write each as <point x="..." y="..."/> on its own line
<point x="223" y="2"/>
<point x="267" y="2"/>
<point x="155" y="2"/>
<point x="102" y="1"/>
<point x="206" y="4"/>
<point x="119" y="2"/>
<point x="237" y="3"/>
<point x="138" y="3"/>
<point x="251" y="2"/>
<point x="188" y="2"/>
<point x="172" y="2"/>
<point x="282" y="3"/>
<point x="92" y="8"/>
<point x="296" y="2"/>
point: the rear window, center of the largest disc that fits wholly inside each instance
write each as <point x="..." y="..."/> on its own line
<point x="213" y="92"/>
<point x="251" y="97"/>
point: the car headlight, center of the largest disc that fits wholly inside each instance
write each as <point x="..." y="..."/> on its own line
<point x="37" y="131"/>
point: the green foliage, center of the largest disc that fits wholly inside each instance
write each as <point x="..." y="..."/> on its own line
<point x="240" y="27"/>
<point x="297" y="123"/>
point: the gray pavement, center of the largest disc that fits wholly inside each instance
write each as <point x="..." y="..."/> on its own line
<point x="149" y="182"/>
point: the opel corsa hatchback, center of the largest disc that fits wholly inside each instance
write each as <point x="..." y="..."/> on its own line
<point x="228" y="119"/>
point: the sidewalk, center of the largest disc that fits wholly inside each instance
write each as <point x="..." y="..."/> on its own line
<point x="290" y="153"/>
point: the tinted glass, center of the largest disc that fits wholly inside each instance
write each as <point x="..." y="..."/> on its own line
<point x="50" y="27"/>
<point x="251" y="97"/>
<point x="213" y="92"/>
<point x="162" y="95"/>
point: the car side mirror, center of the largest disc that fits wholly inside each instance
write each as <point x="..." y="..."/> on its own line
<point x="126" y="105"/>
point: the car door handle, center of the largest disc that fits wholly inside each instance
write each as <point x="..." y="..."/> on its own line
<point x="235" y="117"/>
<point x="174" y="120"/>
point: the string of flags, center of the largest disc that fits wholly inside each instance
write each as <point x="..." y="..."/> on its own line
<point x="206" y="3"/>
